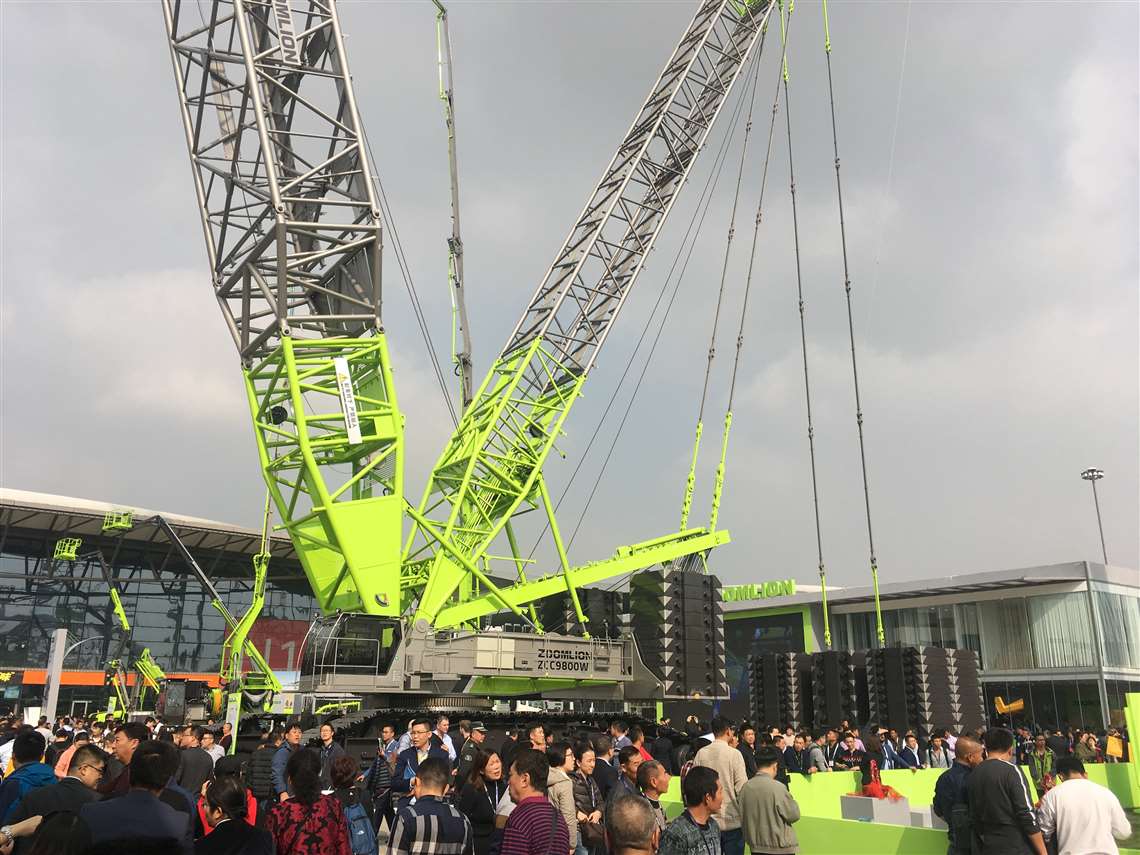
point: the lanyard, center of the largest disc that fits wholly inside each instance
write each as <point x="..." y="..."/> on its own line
<point x="495" y="800"/>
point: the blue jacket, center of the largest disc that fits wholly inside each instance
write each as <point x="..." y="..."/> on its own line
<point x="408" y="764"/>
<point x="951" y="803"/>
<point x="891" y="756"/>
<point x="907" y="758"/>
<point x="22" y="781"/>
<point x="280" y="761"/>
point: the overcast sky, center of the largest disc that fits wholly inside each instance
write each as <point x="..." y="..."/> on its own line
<point x="994" y="262"/>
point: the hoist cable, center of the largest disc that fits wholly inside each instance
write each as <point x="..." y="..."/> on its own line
<point x="784" y="26"/>
<point x="690" y="481"/>
<point x="851" y="333"/>
<point x="718" y="486"/>
<point x="705" y="199"/>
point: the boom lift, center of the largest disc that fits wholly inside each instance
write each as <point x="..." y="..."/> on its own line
<point x="293" y="233"/>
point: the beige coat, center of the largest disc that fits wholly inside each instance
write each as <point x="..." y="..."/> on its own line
<point x="729" y="764"/>
<point x="560" y="791"/>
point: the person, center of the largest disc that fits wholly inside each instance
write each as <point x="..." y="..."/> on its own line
<point x="57" y="746"/>
<point x="653" y="781"/>
<point x="378" y="780"/>
<point x="831" y="747"/>
<point x="70" y="794"/>
<point x="209" y="744"/>
<point x="30" y="773"/>
<point x="535" y="826"/>
<point x="536" y="736"/>
<point x="259" y="769"/>
<point x="281" y="757"/>
<point x="63" y="762"/>
<point x="1041" y="762"/>
<point x="1081" y="816"/>
<point x="195" y="764"/>
<point x="797" y="757"/>
<point x="695" y="831"/>
<point x="605" y="775"/>
<point x="767" y="810"/>
<point x="43" y="730"/>
<point x="637" y="740"/>
<point x="233" y="832"/>
<point x="61" y="833"/>
<point x="950" y="801"/>
<point x="1057" y="742"/>
<point x="747" y="748"/>
<point x="619" y="731"/>
<point x="479" y="795"/>
<point x="476" y="734"/>
<point x="729" y="766"/>
<point x="442" y="728"/>
<point x="9" y="834"/>
<point x="663" y="746"/>
<point x="127" y="738"/>
<point x="1086" y="750"/>
<point x="329" y="750"/>
<point x="889" y="744"/>
<point x="873" y="760"/>
<point x="814" y="748"/>
<point x="560" y="787"/>
<point x="227" y="739"/>
<point x="139" y="813"/>
<point x="909" y="756"/>
<point x="1000" y="808"/>
<point x="632" y="828"/>
<point x="629" y="759"/>
<point x="429" y="825"/>
<point x="228" y="767"/>
<point x="307" y="823"/>
<point x="359" y="815"/>
<point x="408" y="762"/>
<point x="851" y="756"/>
<point x="588" y="801"/>
<point x="937" y="756"/>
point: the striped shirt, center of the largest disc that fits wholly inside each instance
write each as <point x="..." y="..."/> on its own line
<point x="431" y="827"/>
<point x="535" y="827"/>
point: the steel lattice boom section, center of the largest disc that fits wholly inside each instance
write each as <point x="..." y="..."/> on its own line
<point x="493" y="463"/>
<point x="293" y="235"/>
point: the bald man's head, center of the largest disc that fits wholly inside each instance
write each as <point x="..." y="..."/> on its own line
<point x="968" y="751"/>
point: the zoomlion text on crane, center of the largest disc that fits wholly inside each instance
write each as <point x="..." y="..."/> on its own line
<point x="286" y="34"/>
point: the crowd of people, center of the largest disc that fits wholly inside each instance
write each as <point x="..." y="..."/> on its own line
<point x="136" y="788"/>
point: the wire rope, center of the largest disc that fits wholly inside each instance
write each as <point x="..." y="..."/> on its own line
<point x="785" y="27"/>
<point x="851" y="334"/>
<point x="704" y="200"/>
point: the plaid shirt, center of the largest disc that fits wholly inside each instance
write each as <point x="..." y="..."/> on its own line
<point x="431" y="827"/>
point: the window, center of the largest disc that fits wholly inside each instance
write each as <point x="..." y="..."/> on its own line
<point x="1005" y="635"/>
<point x="966" y="620"/>
<point x="1061" y="632"/>
<point x="1120" y="628"/>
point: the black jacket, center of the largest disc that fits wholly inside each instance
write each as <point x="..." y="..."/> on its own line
<point x="68" y="795"/>
<point x="195" y="767"/>
<point x="478" y="805"/>
<point x="259" y="772"/>
<point x="235" y="837"/>
<point x="749" y="759"/>
<point x="137" y="815"/>
<point x="465" y="759"/>
<point x="328" y="754"/>
<point x="606" y="777"/>
<point x="1001" y="809"/>
<point x="953" y="806"/>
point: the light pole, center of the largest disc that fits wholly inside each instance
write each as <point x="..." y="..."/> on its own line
<point x="1092" y="476"/>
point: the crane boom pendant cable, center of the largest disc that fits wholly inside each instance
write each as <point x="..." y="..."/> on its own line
<point x="718" y="486"/>
<point x="851" y="332"/>
<point x="784" y="25"/>
<point x="687" y="503"/>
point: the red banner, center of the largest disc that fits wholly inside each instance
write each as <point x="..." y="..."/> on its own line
<point x="279" y="642"/>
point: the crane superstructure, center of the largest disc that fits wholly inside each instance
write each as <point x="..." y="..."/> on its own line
<point x="294" y="234"/>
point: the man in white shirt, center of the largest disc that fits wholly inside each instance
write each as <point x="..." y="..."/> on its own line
<point x="1081" y="817"/>
<point x="442" y="726"/>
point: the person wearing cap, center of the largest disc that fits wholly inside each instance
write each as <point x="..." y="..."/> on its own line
<point x="82" y="737"/>
<point x="469" y="750"/>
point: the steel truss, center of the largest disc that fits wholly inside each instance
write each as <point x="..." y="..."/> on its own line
<point x="492" y="467"/>
<point x="294" y="236"/>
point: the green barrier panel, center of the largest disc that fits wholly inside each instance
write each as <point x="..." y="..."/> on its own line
<point x="822" y="836"/>
<point x="1119" y="778"/>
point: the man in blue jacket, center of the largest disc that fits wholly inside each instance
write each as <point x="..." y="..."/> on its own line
<point x="950" y="798"/>
<point x="30" y="774"/>
<point x="281" y="759"/>
<point x="408" y="762"/>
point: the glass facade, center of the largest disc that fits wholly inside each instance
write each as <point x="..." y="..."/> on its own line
<point x="169" y="611"/>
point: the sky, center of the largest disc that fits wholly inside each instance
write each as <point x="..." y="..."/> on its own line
<point x="990" y="183"/>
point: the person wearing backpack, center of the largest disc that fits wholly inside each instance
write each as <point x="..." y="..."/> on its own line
<point x="358" y="810"/>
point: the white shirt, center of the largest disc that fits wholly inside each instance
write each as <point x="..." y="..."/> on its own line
<point x="216" y="751"/>
<point x="447" y="743"/>
<point x="6" y="755"/>
<point x="1084" y="817"/>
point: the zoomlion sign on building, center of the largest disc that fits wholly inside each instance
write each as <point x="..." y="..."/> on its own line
<point x="759" y="591"/>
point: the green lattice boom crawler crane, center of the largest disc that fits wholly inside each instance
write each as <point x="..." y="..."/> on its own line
<point x="293" y="233"/>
